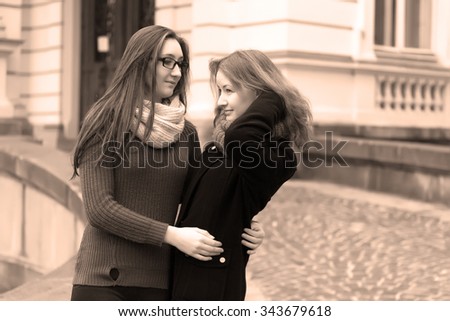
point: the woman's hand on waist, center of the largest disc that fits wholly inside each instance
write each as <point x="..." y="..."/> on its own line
<point x="194" y="242"/>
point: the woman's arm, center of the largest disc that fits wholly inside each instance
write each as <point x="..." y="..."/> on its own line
<point x="253" y="126"/>
<point x="249" y="141"/>
<point x="262" y="161"/>
<point x="105" y="213"/>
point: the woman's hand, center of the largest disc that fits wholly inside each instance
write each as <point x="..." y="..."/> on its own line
<point x="194" y="242"/>
<point x="253" y="237"/>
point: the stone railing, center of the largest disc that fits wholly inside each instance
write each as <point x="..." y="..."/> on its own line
<point x="416" y="170"/>
<point x="411" y="93"/>
<point x="41" y="211"/>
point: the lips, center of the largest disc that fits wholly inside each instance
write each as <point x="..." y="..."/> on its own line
<point x="227" y="112"/>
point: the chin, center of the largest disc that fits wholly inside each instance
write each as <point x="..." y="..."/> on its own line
<point x="167" y="93"/>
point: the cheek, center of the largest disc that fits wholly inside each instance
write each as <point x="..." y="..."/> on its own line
<point x="158" y="78"/>
<point x="161" y="74"/>
<point x="239" y="111"/>
<point x="243" y="105"/>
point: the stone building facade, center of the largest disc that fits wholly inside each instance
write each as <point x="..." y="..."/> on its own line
<point x="372" y="63"/>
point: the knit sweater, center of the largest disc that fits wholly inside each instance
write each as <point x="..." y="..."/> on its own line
<point x="130" y="199"/>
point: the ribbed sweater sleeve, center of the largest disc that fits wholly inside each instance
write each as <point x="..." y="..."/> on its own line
<point x="102" y="209"/>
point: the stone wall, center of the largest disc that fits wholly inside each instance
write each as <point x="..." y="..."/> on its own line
<point x="416" y="170"/>
<point x="41" y="212"/>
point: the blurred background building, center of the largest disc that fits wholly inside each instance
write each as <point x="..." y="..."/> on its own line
<point x="376" y="72"/>
<point x="383" y="63"/>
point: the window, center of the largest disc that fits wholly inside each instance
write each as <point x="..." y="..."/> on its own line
<point x="403" y="23"/>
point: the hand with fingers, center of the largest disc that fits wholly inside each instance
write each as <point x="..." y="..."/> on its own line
<point x="253" y="237"/>
<point x="194" y="242"/>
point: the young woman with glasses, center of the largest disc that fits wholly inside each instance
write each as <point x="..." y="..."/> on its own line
<point x="132" y="155"/>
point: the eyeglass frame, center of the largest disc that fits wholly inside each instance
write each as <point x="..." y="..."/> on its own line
<point x="183" y="65"/>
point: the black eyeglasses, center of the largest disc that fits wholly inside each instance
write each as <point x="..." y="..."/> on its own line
<point x="170" y="63"/>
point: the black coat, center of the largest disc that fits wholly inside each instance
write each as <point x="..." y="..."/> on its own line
<point x="223" y="195"/>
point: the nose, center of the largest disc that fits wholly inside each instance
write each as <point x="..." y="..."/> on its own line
<point x="176" y="71"/>
<point x="221" y="101"/>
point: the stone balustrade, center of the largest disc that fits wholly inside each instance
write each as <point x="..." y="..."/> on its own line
<point x="411" y="94"/>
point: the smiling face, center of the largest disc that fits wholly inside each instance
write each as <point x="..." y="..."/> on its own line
<point x="232" y="100"/>
<point x="166" y="78"/>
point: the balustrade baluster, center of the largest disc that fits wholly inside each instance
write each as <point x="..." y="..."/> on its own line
<point x="402" y="88"/>
<point x="381" y="92"/>
<point x="413" y="90"/>
<point x="408" y="99"/>
<point x="393" y="92"/>
<point x="440" y="95"/>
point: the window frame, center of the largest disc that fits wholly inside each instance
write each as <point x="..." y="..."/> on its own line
<point x="399" y="29"/>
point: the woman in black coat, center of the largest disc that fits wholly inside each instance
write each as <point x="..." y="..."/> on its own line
<point x="259" y="117"/>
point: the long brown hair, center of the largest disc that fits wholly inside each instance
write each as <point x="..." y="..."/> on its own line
<point x="111" y="116"/>
<point x="252" y="69"/>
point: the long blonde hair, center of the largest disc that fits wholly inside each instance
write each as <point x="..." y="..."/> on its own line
<point x="111" y="116"/>
<point x="252" y="69"/>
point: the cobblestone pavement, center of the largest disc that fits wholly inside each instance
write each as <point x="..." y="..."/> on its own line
<point x="329" y="242"/>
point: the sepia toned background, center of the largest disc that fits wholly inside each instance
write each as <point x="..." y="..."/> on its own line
<point x="375" y="226"/>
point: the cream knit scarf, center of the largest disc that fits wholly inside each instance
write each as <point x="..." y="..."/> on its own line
<point x="218" y="134"/>
<point x="167" y="125"/>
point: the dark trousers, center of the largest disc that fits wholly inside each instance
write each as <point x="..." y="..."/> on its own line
<point x="117" y="293"/>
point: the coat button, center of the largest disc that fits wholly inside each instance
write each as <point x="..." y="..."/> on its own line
<point x="114" y="274"/>
<point x="222" y="260"/>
